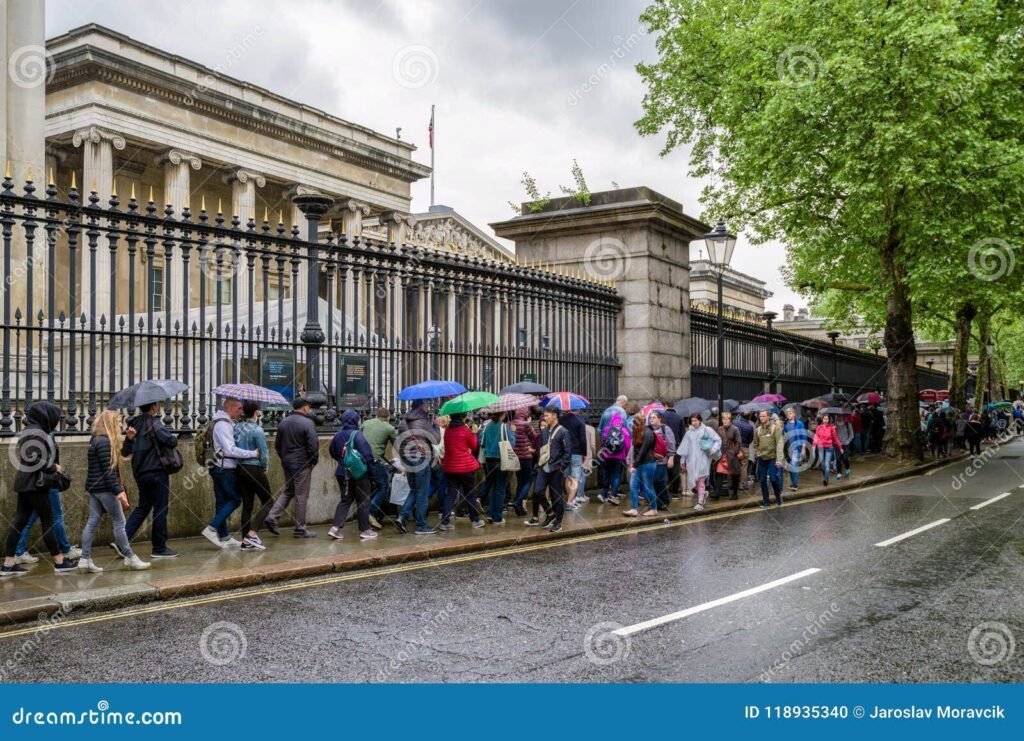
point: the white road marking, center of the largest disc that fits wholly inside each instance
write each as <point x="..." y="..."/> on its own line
<point x="654" y="623"/>
<point x="912" y="533"/>
<point x="1021" y="486"/>
<point x="993" y="499"/>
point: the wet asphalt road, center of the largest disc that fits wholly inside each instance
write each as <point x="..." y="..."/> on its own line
<point x="943" y="605"/>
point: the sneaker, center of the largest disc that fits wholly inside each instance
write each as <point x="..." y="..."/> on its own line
<point x="764" y="505"/>
<point x="446" y="526"/>
<point x="650" y="513"/>
<point x="600" y="498"/>
<point x="164" y="554"/>
<point x="230" y="543"/>
<point x="548" y="519"/>
<point x="14" y="570"/>
<point x="630" y="513"/>
<point x="303" y="534"/>
<point x="87" y="564"/>
<point x="532" y="522"/>
<point x="478" y="523"/>
<point x="426" y="531"/>
<point x="824" y="482"/>
<point x="335" y="532"/>
<point x="498" y="523"/>
<point x="615" y="500"/>
<point x="253" y="543"/>
<point x="135" y="563"/>
<point x="778" y="502"/>
<point x="271" y="527"/>
<point x="26" y="559"/>
<point x="75" y="552"/>
<point x="118" y="551"/>
<point x="375" y="523"/>
<point x="400" y="524"/>
<point x="67" y="566"/>
<point x="699" y="507"/>
<point x="839" y="477"/>
<point x="370" y="534"/>
<point x="520" y="510"/>
<point x="582" y="499"/>
<point x="208" y="532"/>
<point x="555" y="527"/>
<point x="792" y="488"/>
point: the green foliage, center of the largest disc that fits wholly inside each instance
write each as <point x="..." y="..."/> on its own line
<point x="581" y="192"/>
<point x="538" y="202"/>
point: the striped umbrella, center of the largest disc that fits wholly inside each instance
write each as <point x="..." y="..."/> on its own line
<point x="511" y="402"/>
<point x="565" y="400"/>
<point x="250" y="392"/>
<point x="654" y="406"/>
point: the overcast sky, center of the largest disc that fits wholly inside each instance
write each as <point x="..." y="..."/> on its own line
<point x="524" y="85"/>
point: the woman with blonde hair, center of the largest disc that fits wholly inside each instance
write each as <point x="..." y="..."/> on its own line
<point x="106" y="492"/>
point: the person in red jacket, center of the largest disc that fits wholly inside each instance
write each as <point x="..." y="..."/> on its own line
<point x="460" y="464"/>
<point x="826" y="442"/>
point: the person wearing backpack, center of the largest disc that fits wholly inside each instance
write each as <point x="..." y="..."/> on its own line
<point x="145" y="435"/>
<point x="354" y="455"/>
<point x="494" y="432"/>
<point x="662" y="463"/>
<point x="700" y="446"/>
<point x="614" y="449"/>
<point x="642" y="464"/>
<point x="226" y="457"/>
<point x="106" y="492"/>
<point x="298" y="447"/>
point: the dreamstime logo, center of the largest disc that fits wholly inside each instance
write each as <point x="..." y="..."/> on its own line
<point x="799" y="66"/>
<point x="606" y="258"/>
<point x="32" y="451"/>
<point x="415" y="66"/>
<point x="797" y="440"/>
<point x="603" y="646"/>
<point x="233" y="55"/>
<point x="223" y="643"/>
<point x="415" y="449"/>
<point x="221" y="263"/>
<point x="815" y="625"/>
<point x="991" y="643"/>
<point x="622" y="48"/>
<point x="30" y="66"/>
<point x="990" y="259"/>
<point x="978" y="462"/>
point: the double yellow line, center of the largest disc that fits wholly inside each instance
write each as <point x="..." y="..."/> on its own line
<point x="398" y="569"/>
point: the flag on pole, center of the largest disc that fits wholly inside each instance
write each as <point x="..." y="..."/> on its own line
<point x="430" y="129"/>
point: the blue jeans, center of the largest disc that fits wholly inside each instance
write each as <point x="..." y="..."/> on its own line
<point x="154" y="496"/>
<point x="767" y="471"/>
<point x="661" y="486"/>
<point x="226" y="497"/>
<point x="378" y="474"/>
<point x="494" y="488"/>
<point x="524" y="480"/>
<point x="612" y="477"/>
<point x="826" y="455"/>
<point x="58" y="526"/>
<point x="795" y="456"/>
<point x="419" y="495"/>
<point x="643" y="477"/>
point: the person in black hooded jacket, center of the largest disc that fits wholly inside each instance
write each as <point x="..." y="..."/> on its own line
<point x="39" y="470"/>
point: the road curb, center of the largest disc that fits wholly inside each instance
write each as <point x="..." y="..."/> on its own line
<point x="108" y="598"/>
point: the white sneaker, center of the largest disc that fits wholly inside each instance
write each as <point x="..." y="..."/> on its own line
<point x="211" y="535"/>
<point x="135" y="563"/>
<point x="630" y="513"/>
<point x="335" y="532"/>
<point x="75" y="552"/>
<point x="87" y="564"/>
<point x="230" y="543"/>
<point x="368" y="534"/>
<point x="582" y="499"/>
<point x="26" y="559"/>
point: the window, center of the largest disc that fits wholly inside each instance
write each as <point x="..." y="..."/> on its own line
<point x="224" y="286"/>
<point x="158" y="289"/>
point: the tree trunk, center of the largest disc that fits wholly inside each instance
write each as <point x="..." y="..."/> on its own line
<point x="958" y="385"/>
<point x="983" y="385"/>
<point x="901" y="435"/>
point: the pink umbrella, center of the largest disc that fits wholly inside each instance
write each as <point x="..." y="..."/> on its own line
<point x="770" y="398"/>
<point x="869" y="398"/>
<point x="511" y="402"/>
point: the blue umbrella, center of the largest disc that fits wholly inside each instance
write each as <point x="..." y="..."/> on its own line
<point x="431" y="390"/>
<point x="565" y="400"/>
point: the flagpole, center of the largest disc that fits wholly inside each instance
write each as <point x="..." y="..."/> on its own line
<point x="432" y="137"/>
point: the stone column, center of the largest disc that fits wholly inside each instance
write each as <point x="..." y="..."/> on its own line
<point x="177" y="193"/>
<point x="98" y="147"/>
<point x="399" y="226"/>
<point x="243" y="205"/>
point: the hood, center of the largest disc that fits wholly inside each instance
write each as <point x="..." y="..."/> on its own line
<point x="417" y="413"/>
<point x="44" y="415"/>
<point x="523" y="414"/>
<point x="349" y="419"/>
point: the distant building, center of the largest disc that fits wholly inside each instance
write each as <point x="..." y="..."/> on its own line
<point x="743" y="296"/>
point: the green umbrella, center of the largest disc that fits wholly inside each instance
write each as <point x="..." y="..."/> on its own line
<point x="467" y="402"/>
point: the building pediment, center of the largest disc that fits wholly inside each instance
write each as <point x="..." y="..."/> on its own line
<point x="447" y="229"/>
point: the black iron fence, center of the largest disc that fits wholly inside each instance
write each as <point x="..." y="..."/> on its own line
<point x="96" y="298"/>
<point x="798" y="367"/>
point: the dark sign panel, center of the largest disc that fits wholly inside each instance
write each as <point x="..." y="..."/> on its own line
<point x="532" y="377"/>
<point x="353" y="381"/>
<point x="277" y="371"/>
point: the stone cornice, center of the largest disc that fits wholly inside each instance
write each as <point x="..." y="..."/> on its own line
<point x="87" y="63"/>
<point x="586" y="219"/>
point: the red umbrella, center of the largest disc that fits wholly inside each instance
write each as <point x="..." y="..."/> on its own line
<point x="942" y="395"/>
<point x="814" y="403"/>
<point x="869" y="398"/>
<point x="930" y="395"/>
<point x="769" y="398"/>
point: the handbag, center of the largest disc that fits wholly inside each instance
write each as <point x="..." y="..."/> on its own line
<point x="707" y="445"/>
<point x="544" y="455"/>
<point x="506" y="453"/>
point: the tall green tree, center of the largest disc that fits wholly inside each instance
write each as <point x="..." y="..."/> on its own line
<point x="861" y="133"/>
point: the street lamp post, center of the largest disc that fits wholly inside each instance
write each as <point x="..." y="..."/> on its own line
<point x="720" y="243"/>
<point x="833" y="335"/>
<point x="769" y="317"/>
<point x="930" y="362"/>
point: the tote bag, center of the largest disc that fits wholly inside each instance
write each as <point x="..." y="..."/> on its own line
<point x="507" y="453"/>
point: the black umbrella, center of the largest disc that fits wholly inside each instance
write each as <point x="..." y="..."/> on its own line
<point x="835" y="399"/>
<point x="693" y="405"/>
<point x="835" y="411"/>
<point x="526" y="387"/>
<point x="757" y="406"/>
<point x="146" y="392"/>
